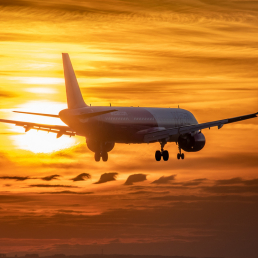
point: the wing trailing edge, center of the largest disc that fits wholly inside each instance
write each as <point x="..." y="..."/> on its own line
<point x="86" y="115"/>
<point x="58" y="129"/>
<point x="166" y="133"/>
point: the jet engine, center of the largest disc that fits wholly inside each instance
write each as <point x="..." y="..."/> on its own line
<point x="191" y="143"/>
<point x="96" y="146"/>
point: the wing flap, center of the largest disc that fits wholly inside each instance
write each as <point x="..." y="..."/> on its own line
<point x="89" y="115"/>
<point x="160" y="135"/>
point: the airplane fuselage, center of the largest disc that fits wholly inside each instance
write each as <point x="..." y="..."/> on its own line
<point x="127" y="124"/>
<point x="104" y="126"/>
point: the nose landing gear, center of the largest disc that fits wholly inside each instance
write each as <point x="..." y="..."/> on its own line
<point x="163" y="153"/>
<point x="180" y="155"/>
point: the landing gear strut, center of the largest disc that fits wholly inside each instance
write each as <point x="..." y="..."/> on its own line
<point x="180" y="155"/>
<point x="163" y="153"/>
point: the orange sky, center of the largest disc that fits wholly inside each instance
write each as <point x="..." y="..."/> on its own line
<point x="201" y="55"/>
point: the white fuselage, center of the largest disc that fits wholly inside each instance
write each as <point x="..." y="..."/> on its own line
<point x="125" y="124"/>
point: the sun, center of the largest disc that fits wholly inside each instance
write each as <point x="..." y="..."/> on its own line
<point x="42" y="142"/>
<point x="39" y="141"/>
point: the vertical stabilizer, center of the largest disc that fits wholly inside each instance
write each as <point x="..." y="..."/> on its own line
<point x="73" y="93"/>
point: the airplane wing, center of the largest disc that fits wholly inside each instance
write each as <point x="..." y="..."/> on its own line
<point x="58" y="129"/>
<point x="166" y="133"/>
<point x="85" y="115"/>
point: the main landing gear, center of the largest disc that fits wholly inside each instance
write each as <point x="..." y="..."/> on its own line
<point x="180" y="155"/>
<point x="103" y="155"/>
<point x="163" y="153"/>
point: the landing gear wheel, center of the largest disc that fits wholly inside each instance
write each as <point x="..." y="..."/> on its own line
<point x="158" y="155"/>
<point x="97" y="156"/>
<point x="104" y="156"/>
<point x="180" y="155"/>
<point x="165" y="155"/>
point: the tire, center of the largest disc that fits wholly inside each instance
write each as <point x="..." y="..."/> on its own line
<point x="178" y="155"/>
<point x="158" y="155"/>
<point x="182" y="156"/>
<point x="104" y="156"/>
<point x="165" y="155"/>
<point x="97" y="156"/>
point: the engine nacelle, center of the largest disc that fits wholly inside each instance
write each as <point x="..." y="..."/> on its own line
<point x="96" y="146"/>
<point x="191" y="143"/>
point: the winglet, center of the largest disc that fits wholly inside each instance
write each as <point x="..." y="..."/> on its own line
<point x="73" y="93"/>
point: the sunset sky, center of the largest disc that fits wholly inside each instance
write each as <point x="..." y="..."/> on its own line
<point x="199" y="54"/>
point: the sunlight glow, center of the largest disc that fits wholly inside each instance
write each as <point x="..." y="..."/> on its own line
<point x="46" y="107"/>
<point x="38" y="80"/>
<point x="40" y="142"/>
<point x="41" y="90"/>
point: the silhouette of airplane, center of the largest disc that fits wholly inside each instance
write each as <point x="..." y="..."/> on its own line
<point x="104" y="126"/>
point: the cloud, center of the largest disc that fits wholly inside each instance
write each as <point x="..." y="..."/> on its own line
<point x="67" y="192"/>
<point x="20" y="178"/>
<point x="150" y="192"/>
<point x="81" y="177"/>
<point x="45" y="185"/>
<point x="232" y="181"/>
<point x="164" y="179"/>
<point x="6" y="94"/>
<point x="15" y="3"/>
<point x="251" y="182"/>
<point x="49" y="178"/>
<point x="61" y="154"/>
<point x="17" y="178"/>
<point x="135" y="178"/>
<point x="142" y="192"/>
<point x="194" y="182"/>
<point x="214" y="198"/>
<point x="12" y="198"/>
<point x="224" y="189"/>
<point x="75" y="7"/>
<point x="68" y="211"/>
<point x="107" y="177"/>
<point x="237" y="180"/>
<point x="62" y="165"/>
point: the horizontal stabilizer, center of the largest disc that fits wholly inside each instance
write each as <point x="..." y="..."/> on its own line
<point x="38" y="114"/>
<point x="89" y="115"/>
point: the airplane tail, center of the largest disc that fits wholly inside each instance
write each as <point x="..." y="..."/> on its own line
<point x="73" y="93"/>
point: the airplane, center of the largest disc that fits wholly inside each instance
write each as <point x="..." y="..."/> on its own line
<point x="104" y="126"/>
